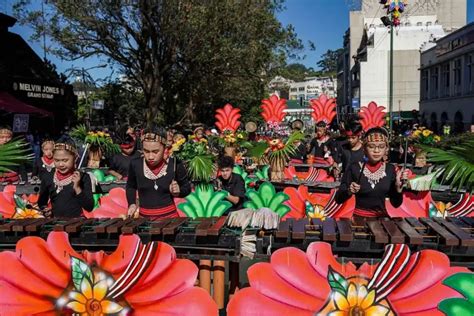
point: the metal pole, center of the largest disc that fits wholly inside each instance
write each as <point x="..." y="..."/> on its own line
<point x="390" y="101"/>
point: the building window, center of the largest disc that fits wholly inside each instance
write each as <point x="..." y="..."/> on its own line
<point x="424" y="84"/>
<point x="470" y="72"/>
<point x="445" y="80"/>
<point x="293" y="89"/>
<point x="419" y="24"/>
<point x="457" y="76"/>
<point x="434" y="84"/>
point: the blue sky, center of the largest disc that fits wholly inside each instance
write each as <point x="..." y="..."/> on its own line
<point x="320" y="21"/>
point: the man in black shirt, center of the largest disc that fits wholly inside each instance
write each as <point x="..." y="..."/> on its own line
<point x="120" y="163"/>
<point x="323" y="147"/>
<point x="232" y="183"/>
<point x="353" y="151"/>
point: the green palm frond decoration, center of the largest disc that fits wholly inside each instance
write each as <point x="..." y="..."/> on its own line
<point x="79" y="132"/>
<point x="458" y="163"/>
<point x="289" y="147"/>
<point x="256" y="149"/>
<point x="240" y="171"/>
<point x="14" y="153"/>
<point x="262" y="174"/>
<point x="266" y="197"/>
<point x="201" y="168"/>
<point x="205" y="202"/>
<point x="464" y="284"/>
<point x="198" y="159"/>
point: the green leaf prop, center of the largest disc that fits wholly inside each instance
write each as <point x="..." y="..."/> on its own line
<point x="19" y="202"/>
<point x="257" y="149"/>
<point x="262" y="174"/>
<point x="289" y="148"/>
<point x="205" y="202"/>
<point x="464" y="284"/>
<point x="101" y="177"/>
<point x="266" y="197"/>
<point x="200" y="168"/>
<point x="458" y="162"/>
<point x="14" y="153"/>
<point x="240" y="171"/>
<point x="337" y="282"/>
<point x="79" y="271"/>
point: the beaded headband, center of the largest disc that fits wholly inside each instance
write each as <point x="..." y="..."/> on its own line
<point x="152" y="137"/>
<point x="6" y="131"/>
<point x="376" y="137"/>
<point x="47" y="142"/>
<point x="61" y="146"/>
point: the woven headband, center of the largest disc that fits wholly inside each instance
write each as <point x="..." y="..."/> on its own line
<point x="47" y="142"/>
<point x="152" y="137"/>
<point x="5" y="131"/>
<point x="376" y="137"/>
<point x="61" y="146"/>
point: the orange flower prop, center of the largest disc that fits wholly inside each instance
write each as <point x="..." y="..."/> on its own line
<point x="228" y="118"/>
<point x="324" y="109"/>
<point x="51" y="278"/>
<point x="372" y="116"/>
<point x="273" y="109"/>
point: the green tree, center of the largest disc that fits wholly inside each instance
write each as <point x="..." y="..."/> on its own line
<point x="328" y="62"/>
<point x="186" y="56"/>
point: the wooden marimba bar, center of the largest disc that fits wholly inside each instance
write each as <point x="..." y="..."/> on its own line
<point x="359" y="240"/>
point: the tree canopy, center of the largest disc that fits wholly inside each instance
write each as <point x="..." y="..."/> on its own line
<point x="187" y="57"/>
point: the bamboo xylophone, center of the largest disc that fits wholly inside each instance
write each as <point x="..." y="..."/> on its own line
<point x="358" y="240"/>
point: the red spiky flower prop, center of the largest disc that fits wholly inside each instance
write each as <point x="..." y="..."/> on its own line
<point x="324" y="109"/>
<point x="228" y="118"/>
<point x="273" y="109"/>
<point x="372" y="116"/>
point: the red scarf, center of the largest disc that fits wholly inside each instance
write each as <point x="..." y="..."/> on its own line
<point x="47" y="160"/>
<point x="156" y="169"/>
<point x="373" y="168"/>
<point x="66" y="175"/>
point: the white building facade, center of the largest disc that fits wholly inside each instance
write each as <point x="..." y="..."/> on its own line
<point x="312" y="88"/>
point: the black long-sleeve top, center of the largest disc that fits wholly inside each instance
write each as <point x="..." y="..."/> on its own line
<point x="368" y="198"/>
<point x="148" y="197"/>
<point x="235" y="185"/>
<point x="66" y="203"/>
<point x="319" y="149"/>
<point x="120" y="163"/>
<point x="350" y="156"/>
<point x="40" y="169"/>
<point x="300" y="152"/>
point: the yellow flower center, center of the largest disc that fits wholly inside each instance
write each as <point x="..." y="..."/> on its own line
<point x="356" y="311"/>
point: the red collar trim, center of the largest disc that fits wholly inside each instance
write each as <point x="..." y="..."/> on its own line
<point x="373" y="168"/>
<point x="156" y="169"/>
<point x="61" y="176"/>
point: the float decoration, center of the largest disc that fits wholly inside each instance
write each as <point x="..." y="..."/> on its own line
<point x="198" y="160"/>
<point x="13" y="154"/>
<point x="112" y="205"/>
<point x="100" y="177"/>
<point x="315" y="283"/>
<point x="273" y="110"/>
<point x="463" y="283"/>
<point x="50" y="277"/>
<point x="372" y="116"/>
<point x="302" y="204"/>
<point x="280" y="153"/>
<point x="324" y="109"/>
<point x="205" y="202"/>
<point x="249" y="182"/>
<point x="267" y="197"/>
<point x="24" y="210"/>
<point x="228" y="118"/>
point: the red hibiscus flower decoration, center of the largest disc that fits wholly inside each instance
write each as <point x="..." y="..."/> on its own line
<point x="112" y="205"/>
<point x="50" y="278"/>
<point x="298" y="283"/>
<point x="414" y="205"/>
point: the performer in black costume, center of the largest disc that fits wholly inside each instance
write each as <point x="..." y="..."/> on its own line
<point x="232" y="183"/>
<point x="45" y="164"/>
<point x="120" y="163"/>
<point x="69" y="190"/>
<point x="374" y="181"/>
<point x="353" y="150"/>
<point x="156" y="179"/>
